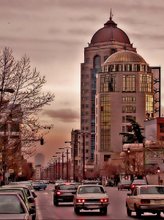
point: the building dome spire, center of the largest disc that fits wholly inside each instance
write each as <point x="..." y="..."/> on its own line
<point x="110" y="32"/>
<point x="110" y="22"/>
<point x="111" y="15"/>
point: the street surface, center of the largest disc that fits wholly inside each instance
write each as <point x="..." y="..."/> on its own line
<point x="116" y="209"/>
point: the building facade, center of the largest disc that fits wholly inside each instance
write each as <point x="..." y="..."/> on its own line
<point x="116" y="84"/>
<point x="106" y="41"/>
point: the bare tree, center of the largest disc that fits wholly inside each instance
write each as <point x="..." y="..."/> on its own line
<point x="21" y="99"/>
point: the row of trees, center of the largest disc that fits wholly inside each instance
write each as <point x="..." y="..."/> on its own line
<point x="21" y="99"/>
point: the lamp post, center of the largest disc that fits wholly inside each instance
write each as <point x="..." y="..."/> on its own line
<point x="62" y="162"/>
<point x="55" y="167"/>
<point x="67" y="152"/>
<point x="128" y="162"/>
<point x="83" y="156"/>
<point x="73" y="149"/>
<point x="158" y="173"/>
<point x="59" y="174"/>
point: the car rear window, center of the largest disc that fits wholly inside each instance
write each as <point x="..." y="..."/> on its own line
<point x="152" y="190"/>
<point x="90" y="189"/>
<point x="139" y="182"/>
<point x="10" y="204"/>
<point x="67" y="187"/>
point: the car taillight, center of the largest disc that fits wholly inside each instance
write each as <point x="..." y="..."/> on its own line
<point x="80" y="200"/>
<point x="104" y="200"/>
<point x="58" y="193"/>
<point x="145" y="201"/>
<point x="132" y="186"/>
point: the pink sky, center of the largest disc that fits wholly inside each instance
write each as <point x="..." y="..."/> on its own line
<point x="53" y="33"/>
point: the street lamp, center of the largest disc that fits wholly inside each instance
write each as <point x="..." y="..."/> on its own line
<point x="59" y="174"/>
<point x="84" y="151"/>
<point x="158" y="173"/>
<point x="62" y="155"/>
<point x="55" y="167"/>
<point x="128" y="161"/>
<point x="73" y="148"/>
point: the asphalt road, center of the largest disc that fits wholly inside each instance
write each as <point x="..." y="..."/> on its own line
<point x="116" y="209"/>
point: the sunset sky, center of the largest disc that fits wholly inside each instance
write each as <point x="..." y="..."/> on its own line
<point x="53" y="33"/>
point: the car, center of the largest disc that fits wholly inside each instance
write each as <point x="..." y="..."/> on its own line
<point x="22" y="193"/>
<point x="12" y="207"/>
<point x="39" y="185"/>
<point x="145" y="198"/>
<point x="59" y="181"/>
<point x="124" y="184"/>
<point x="64" y="192"/>
<point x="137" y="182"/>
<point x="29" y="194"/>
<point x="109" y="182"/>
<point x="98" y="182"/>
<point x="91" y="197"/>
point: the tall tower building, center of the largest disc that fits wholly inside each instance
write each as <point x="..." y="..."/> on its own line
<point x="127" y="87"/>
<point x="106" y="41"/>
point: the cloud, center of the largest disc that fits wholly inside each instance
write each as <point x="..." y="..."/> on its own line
<point x="63" y="115"/>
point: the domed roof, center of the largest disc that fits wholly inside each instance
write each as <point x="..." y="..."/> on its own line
<point x="110" y="32"/>
<point x="125" y="56"/>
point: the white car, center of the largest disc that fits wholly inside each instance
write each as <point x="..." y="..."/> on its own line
<point x="146" y="198"/>
<point x="12" y="207"/>
<point x="91" y="197"/>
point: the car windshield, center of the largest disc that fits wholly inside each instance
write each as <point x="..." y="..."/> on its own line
<point x="139" y="182"/>
<point x="90" y="189"/>
<point x="67" y="187"/>
<point x="10" y="204"/>
<point x="152" y="190"/>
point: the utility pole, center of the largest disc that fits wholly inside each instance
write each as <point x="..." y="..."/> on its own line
<point x="67" y="152"/>
<point x="83" y="156"/>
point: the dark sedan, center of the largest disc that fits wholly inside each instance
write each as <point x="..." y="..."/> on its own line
<point x="39" y="185"/>
<point x="124" y="184"/>
<point x="138" y="182"/>
<point x="64" y="192"/>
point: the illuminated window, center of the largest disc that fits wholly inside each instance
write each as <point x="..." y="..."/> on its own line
<point x="129" y="99"/>
<point x="128" y="109"/>
<point x="105" y="123"/>
<point x="107" y="83"/>
<point x="149" y="103"/>
<point x="129" y="83"/>
<point x="145" y="83"/>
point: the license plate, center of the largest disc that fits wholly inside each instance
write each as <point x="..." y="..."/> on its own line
<point x="93" y="207"/>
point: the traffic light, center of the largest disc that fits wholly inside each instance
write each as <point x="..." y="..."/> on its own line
<point x="41" y="141"/>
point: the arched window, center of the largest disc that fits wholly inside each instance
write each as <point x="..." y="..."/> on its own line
<point x="97" y="63"/>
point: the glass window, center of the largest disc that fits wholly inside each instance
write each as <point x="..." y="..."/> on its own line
<point x="129" y="99"/>
<point x="129" y="83"/>
<point x="97" y="63"/>
<point x="145" y="83"/>
<point x="149" y="104"/>
<point x="107" y="83"/>
<point x="128" y="109"/>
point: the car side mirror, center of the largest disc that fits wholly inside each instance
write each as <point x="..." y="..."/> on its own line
<point x="34" y="194"/>
<point x="31" y="199"/>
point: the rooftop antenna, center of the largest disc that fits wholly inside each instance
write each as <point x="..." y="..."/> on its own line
<point x="111" y="14"/>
